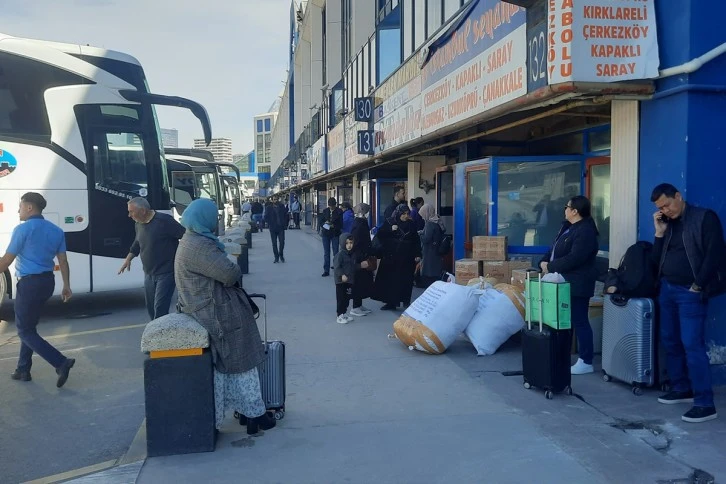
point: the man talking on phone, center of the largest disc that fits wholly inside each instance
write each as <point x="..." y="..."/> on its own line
<point x="35" y="243"/>
<point x="689" y="250"/>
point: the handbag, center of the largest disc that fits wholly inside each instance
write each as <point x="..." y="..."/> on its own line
<point x="372" y="263"/>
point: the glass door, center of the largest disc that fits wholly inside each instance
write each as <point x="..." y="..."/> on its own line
<point x="598" y="191"/>
<point x="477" y="205"/>
<point x="445" y="206"/>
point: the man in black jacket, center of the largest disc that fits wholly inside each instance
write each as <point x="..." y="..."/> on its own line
<point x="330" y="226"/>
<point x="277" y="218"/>
<point x="689" y="249"/>
<point x="399" y="197"/>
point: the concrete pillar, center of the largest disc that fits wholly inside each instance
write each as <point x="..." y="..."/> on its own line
<point x="624" y="178"/>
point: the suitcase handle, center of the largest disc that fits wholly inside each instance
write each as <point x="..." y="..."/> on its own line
<point x="619" y="300"/>
<point x="529" y="299"/>
<point x="264" y="308"/>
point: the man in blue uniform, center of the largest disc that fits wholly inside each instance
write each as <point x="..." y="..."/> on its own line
<point x="35" y="243"/>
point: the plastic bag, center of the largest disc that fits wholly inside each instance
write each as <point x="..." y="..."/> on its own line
<point x="495" y="321"/>
<point x="434" y="320"/>
<point x="554" y="277"/>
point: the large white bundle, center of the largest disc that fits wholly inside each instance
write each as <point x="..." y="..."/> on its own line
<point x="434" y="320"/>
<point x="495" y="321"/>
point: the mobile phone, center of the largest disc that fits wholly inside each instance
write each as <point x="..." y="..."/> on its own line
<point x="664" y="219"/>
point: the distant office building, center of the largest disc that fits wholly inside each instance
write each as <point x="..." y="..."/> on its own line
<point x="170" y="138"/>
<point x="263" y="125"/>
<point x="245" y="163"/>
<point x="221" y="148"/>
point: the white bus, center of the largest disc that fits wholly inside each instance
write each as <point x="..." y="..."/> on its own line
<point x="78" y="125"/>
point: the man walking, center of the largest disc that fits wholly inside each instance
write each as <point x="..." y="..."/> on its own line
<point x="35" y="243"/>
<point x="157" y="237"/>
<point x="277" y="217"/>
<point x="331" y="226"/>
<point x="295" y="208"/>
<point x="689" y="249"/>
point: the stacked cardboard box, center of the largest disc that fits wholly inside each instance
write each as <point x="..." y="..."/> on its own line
<point x="467" y="269"/>
<point x="490" y="248"/>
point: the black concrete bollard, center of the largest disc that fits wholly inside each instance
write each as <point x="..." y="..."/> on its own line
<point x="179" y="388"/>
<point x="248" y="237"/>
<point x="243" y="260"/>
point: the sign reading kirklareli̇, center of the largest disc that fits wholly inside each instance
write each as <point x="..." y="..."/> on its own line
<point x="482" y="65"/>
<point x="601" y="40"/>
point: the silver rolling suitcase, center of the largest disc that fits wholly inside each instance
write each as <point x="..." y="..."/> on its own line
<point x="629" y="346"/>
<point x="272" y="370"/>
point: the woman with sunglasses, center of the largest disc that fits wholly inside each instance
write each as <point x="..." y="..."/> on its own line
<point x="573" y="255"/>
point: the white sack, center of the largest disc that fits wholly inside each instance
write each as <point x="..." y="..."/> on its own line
<point x="434" y="320"/>
<point x="496" y="320"/>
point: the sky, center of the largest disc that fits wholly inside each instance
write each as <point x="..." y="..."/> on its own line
<point x="229" y="55"/>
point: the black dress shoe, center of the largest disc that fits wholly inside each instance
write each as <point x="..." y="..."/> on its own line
<point x="276" y="260"/>
<point x="282" y="259"/>
<point x="388" y="307"/>
<point x="64" y="371"/>
<point x="326" y="274"/>
<point x="264" y="422"/>
<point x="21" y="375"/>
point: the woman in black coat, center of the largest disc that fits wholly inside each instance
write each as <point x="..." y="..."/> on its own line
<point x="573" y="256"/>
<point x="431" y="238"/>
<point x="361" y="233"/>
<point x="401" y="251"/>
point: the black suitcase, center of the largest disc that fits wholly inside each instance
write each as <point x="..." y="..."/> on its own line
<point x="546" y="356"/>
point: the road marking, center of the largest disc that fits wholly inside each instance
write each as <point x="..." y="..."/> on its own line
<point x="64" y="476"/>
<point x="64" y="351"/>
<point x="16" y="340"/>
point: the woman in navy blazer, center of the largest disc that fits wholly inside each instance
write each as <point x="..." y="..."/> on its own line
<point x="573" y="255"/>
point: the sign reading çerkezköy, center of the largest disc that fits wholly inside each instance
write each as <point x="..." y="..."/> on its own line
<point x="601" y="40"/>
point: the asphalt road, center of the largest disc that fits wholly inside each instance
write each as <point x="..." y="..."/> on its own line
<point x="95" y="416"/>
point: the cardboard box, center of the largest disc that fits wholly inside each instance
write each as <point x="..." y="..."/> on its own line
<point x="519" y="277"/>
<point x="498" y="270"/>
<point x="489" y="248"/>
<point x="467" y="269"/>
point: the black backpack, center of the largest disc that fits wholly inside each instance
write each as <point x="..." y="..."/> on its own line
<point x="636" y="276"/>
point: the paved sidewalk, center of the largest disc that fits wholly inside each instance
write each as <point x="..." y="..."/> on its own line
<point x="361" y="408"/>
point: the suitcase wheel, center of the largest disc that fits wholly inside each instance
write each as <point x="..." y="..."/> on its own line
<point x="568" y="391"/>
<point x="605" y="376"/>
<point x="637" y="391"/>
<point x="527" y="385"/>
<point x="549" y="395"/>
<point x="279" y="414"/>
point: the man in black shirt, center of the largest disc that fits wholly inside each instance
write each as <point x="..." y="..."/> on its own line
<point x="689" y="250"/>
<point x="330" y="226"/>
<point x="157" y="238"/>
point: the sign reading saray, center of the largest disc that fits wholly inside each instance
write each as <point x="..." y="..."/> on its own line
<point x="602" y="40"/>
<point x="481" y="66"/>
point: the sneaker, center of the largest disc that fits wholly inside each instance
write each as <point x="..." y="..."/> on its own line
<point x="358" y="312"/>
<point x="21" y="375"/>
<point x="343" y="319"/>
<point x="581" y="368"/>
<point x="282" y="258"/>
<point x="365" y="310"/>
<point x="700" y="414"/>
<point x="671" y="398"/>
<point x="276" y="260"/>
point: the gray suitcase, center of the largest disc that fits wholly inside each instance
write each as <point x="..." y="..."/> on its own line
<point x="629" y="346"/>
<point x="272" y="370"/>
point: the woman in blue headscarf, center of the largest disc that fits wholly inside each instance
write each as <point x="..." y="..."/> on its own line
<point x="207" y="282"/>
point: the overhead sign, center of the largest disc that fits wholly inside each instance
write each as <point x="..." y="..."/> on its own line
<point x="398" y="118"/>
<point x="483" y="65"/>
<point x="602" y="40"/>
<point x="336" y="148"/>
<point x="316" y="157"/>
<point x="352" y="154"/>
<point x="365" y="142"/>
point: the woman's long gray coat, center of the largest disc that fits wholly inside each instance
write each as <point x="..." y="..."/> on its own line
<point x="205" y="280"/>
